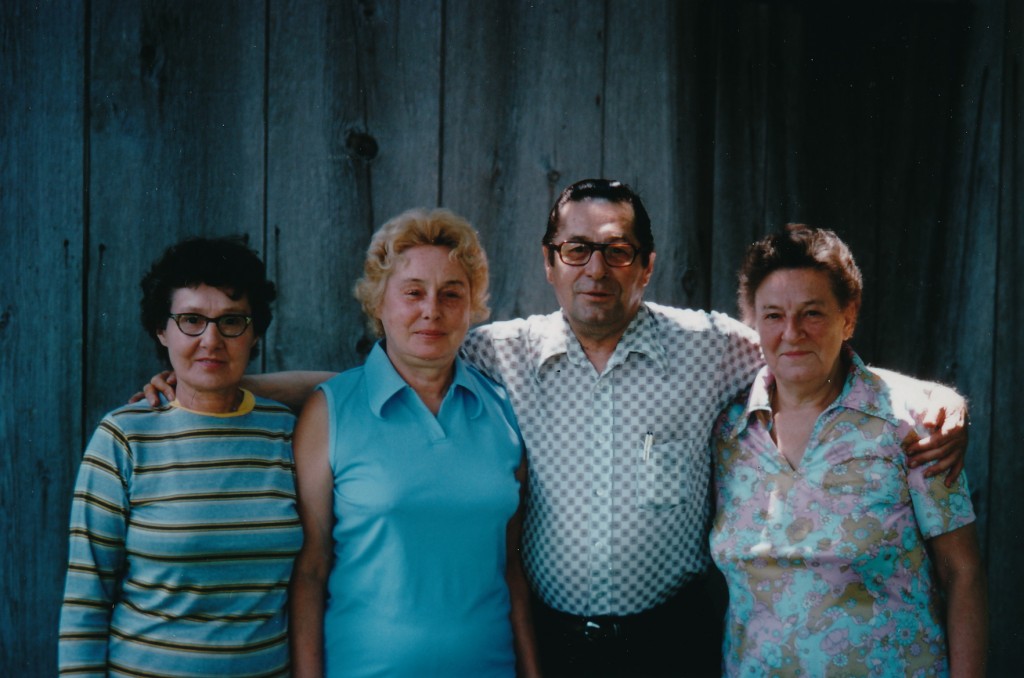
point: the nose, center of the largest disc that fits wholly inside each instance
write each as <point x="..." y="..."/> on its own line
<point x="431" y="306"/>
<point x="211" y="336"/>
<point x="792" y="329"/>
<point x="597" y="267"/>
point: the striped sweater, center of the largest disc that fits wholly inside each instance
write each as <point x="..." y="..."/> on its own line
<point x="183" y="533"/>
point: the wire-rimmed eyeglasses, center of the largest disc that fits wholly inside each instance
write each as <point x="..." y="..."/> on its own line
<point x="573" y="253"/>
<point x="194" y="324"/>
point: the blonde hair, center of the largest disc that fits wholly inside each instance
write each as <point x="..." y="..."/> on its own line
<point x="415" y="227"/>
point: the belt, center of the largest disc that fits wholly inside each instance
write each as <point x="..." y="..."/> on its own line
<point x="612" y="627"/>
<point x="595" y="629"/>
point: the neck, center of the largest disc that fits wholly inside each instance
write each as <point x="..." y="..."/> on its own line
<point x="430" y="383"/>
<point x="212" y="402"/>
<point x="598" y="346"/>
<point x="814" y="396"/>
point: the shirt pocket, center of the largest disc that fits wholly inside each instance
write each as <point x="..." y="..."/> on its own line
<point x="665" y="478"/>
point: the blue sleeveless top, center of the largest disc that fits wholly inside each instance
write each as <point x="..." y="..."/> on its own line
<point x="421" y="505"/>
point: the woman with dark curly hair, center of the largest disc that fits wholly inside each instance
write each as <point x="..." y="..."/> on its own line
<point x="184" y="525"/>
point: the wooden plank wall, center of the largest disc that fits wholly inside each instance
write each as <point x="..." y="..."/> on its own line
<point x="304" y="124"/>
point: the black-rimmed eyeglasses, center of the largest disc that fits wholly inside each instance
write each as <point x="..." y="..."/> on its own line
<point x="194" y="324"/>
<point x="617" y="254"/>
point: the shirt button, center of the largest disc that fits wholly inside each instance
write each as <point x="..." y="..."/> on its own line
<point x="601" y="492"/>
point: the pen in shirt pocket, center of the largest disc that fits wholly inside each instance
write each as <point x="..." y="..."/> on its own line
<point x="648" y="443"/>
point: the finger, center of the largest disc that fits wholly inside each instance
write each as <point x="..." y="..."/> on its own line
<point x="954" y="472"/>
<point x="943" y="438"/>
<point x="164" y="383"/>
<point x="136" y="397"/>
<point x="939" y="459"/>
<point x="956" y="418"/>
<point x="151" y="394"/>
<point x="932" y="454"/>
<point x="934" y="418"/>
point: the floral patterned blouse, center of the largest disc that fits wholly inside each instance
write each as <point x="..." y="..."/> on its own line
<point x="826" y="564"/>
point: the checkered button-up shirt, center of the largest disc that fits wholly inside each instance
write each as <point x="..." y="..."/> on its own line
<point x="618" y="510"/>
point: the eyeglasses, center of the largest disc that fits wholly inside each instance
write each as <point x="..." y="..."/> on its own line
<point x="194" y="324"/>
<point x="617" y="254"/>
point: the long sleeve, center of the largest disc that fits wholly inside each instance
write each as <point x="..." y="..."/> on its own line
<point x="96" y="553"/>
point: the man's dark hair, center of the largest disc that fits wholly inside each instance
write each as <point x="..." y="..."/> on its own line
<point x="612" y="191"/>
<point x="226" y="263"/>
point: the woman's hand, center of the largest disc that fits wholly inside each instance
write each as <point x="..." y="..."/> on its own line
<point x="163" y="382"/>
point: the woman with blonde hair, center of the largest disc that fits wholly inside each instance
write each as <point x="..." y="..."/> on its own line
<point x="410" y="473"/>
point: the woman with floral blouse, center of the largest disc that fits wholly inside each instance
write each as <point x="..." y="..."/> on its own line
<point x="840" y="559"/>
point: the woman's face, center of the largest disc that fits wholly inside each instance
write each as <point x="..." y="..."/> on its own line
<point x="801" y="325"/>
<point x="426" y="309"/>
<point x="208" y="367"/>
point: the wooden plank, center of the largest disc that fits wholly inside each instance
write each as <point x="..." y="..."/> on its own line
<point x="643" y="125"/>
<point x="354" y="101"/>
<point x="754" y="180"/>
<point x="42" y="76"/>
<point x="965" y="277"/>
<point x="1004" y="367"/>
<point x="522" y="119"/>
<point x="177" y="150"/>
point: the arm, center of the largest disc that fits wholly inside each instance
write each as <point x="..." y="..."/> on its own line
<point x="308" y="589"/>
<point x="96" y="556"/>
<point x="945" y="413"/>
<point x="527" y="663"/>
<point x="289" y="388"/>
<point x="958" y="563"/>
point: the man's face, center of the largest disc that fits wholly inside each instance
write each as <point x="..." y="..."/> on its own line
<point x="599" y="300"/>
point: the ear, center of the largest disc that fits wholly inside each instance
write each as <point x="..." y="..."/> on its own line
<point x="649" y="270"/>
<point x="850" y="314"/>
<point x="162" y="337"/>
<point x="548" y="256"/>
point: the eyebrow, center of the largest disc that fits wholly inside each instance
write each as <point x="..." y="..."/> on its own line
<point x="608" y="241"/>
<point x="809" y="302"/>
<point x="422" y="281"/>
<point x="230" y="310"/>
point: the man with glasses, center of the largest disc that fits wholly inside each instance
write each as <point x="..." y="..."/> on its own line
<point x="616" y="398"/>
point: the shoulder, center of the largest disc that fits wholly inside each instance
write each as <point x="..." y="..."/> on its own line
<point x="517" y="329"/>
<point x="903" y="398"/>
<point x="270" y="406"/>
<point x="140" y="416"/>
<point x="343" y="387"/>
<point x="683" y="324"/>
<point x="344" y="381"/>
<point x="697" y="320"/>
<point x="732" y="416"/>
<point x="270" y="414"/>
<point x="483" y="385"/>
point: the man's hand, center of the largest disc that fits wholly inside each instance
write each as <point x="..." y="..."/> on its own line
<point x="161" y="383"/>
<point x="947" y="445"/>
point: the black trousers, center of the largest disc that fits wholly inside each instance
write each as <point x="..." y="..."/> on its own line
<point x="682" y="637"/>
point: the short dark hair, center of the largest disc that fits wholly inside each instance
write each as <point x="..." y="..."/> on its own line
<point x="799" y="246"/>
<point x="226" y="263"/>
<point x="612" y="191"/>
